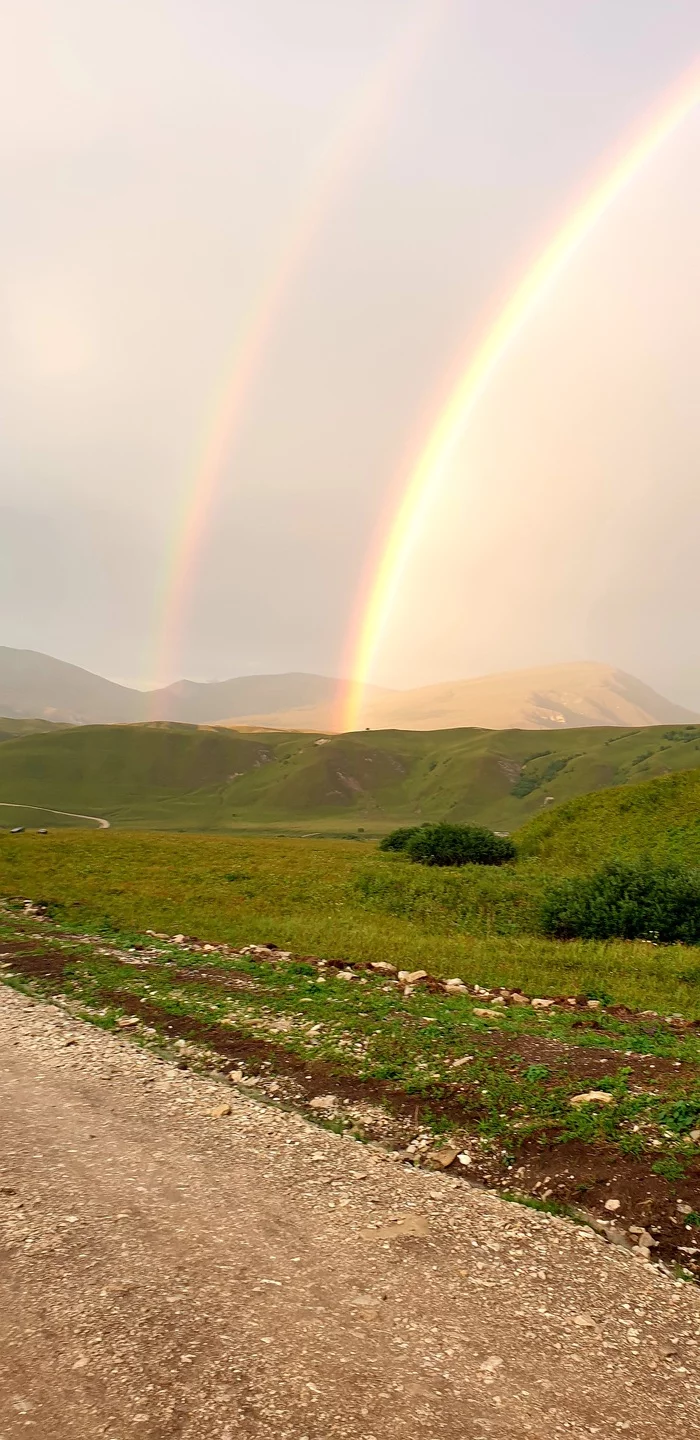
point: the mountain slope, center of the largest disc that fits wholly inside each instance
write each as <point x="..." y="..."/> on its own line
<point x="554" y="697"/>
<point x="191" y="702"/>
<point x="32" y="684"/>
<point x="659" y="819"/>
<point x="212" y="778"/>
<point x="116" y="765"/>
<point x="549" y="697"/>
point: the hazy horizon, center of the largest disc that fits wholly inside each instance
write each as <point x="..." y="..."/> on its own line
<point x="159" y="164"/>
<point x="344" y="680"/>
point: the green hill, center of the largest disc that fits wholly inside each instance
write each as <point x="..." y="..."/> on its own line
<point x="660" y="819"/>
<point x="164" y="776"/>
<point x="10" y="729"/>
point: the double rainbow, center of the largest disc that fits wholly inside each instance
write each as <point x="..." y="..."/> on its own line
<point x="420" y="490"/>
<point x="373" y="104"/>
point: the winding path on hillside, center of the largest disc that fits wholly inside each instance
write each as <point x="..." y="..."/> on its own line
<point x="183" y="1262"/>
<point x="47" y="810"/>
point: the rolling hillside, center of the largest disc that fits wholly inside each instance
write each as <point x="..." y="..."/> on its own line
<point x="214" y="778"/>
<point x="554" y="697"/>
<point x="11" y="729"/>
<point x="659" y="819"/>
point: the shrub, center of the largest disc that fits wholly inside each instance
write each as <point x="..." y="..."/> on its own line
<point x="398" y="839"/>
<point x="526" y="783"/>
<point x="627" y="901"/>
<point x="459" y="845"/>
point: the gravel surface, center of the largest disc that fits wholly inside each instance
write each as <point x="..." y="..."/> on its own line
<point x="170" y="1271"/>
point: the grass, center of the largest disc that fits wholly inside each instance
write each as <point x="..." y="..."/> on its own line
<point x="10" y="729"/>
<point x="335" y="898"/>
<point x="185" y="777"/>
<point x="366" y="1035"/>
<point x="659" y="820"/>
<point x="34" y="818"/>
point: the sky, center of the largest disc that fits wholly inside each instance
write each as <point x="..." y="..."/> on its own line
<point x="384" y="170"/>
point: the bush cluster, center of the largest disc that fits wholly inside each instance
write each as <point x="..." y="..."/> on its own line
<point x="444" y="844"/>
<point x="628" y="901"/>
<point x="398" y="839"/>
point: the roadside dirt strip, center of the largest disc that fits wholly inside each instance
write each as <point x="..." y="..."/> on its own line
<point x="179" y="1260"/>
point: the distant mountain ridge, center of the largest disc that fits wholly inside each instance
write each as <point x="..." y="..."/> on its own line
<point x="554" y="697"/>
<point x="38" y="686"/>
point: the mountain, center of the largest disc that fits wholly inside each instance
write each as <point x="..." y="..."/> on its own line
<point x="36" y="685"/>
<point x="553" y="697"/>
<point x="547" y="698"/>
<point x="187" y="777"/>
<point x="306" y="696"/>
<point x="32" y="684"/>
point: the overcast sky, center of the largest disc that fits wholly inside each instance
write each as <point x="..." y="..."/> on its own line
<point x="164" y="162"/>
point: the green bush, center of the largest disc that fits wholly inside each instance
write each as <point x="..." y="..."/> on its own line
<point x="628" y="901"/>
<point x="398" y="839"/>
<point x="458" y="845"/>
<point x="527" y="782"/>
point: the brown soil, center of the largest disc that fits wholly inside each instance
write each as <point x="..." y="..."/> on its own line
<point x="312" y="1076"/>
<point x="585" y="1176"/>
<point x="591" y="1063"/>
<point x="40" y="965"/>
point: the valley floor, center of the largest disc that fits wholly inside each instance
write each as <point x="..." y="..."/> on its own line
<point x="180" y="1260"/>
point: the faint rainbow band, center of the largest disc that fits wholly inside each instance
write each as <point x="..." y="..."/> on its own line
<point x="377" y="97"/>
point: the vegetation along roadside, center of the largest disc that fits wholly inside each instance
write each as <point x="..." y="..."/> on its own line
<point x="577" y="1101"/>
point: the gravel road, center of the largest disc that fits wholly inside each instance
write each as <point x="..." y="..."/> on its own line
<point x="168" y="1272"/>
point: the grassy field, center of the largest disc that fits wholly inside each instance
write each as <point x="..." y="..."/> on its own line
<point x="182" y="777"/>
<point x="337" y="898"/>
<point x="36" y="817"/>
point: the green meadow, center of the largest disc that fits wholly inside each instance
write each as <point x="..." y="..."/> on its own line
<point x="201" y="778"/>
<point x="124" y="918"/>
<point x="337" y="899"/>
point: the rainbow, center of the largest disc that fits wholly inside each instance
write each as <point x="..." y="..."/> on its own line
<point x="378" y="94"/>
<point x="419" y="491"/>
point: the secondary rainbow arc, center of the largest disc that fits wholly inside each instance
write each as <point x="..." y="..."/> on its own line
<point x="377" y="96"/>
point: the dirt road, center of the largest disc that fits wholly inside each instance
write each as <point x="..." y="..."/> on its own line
<point x="101" y="823"/>
<point x="167" y="1273"/>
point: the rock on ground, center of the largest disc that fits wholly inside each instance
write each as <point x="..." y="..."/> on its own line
<point x="178" y="1260"/>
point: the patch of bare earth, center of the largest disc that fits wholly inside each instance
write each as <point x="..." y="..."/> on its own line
<point x="180" y="1261"/>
